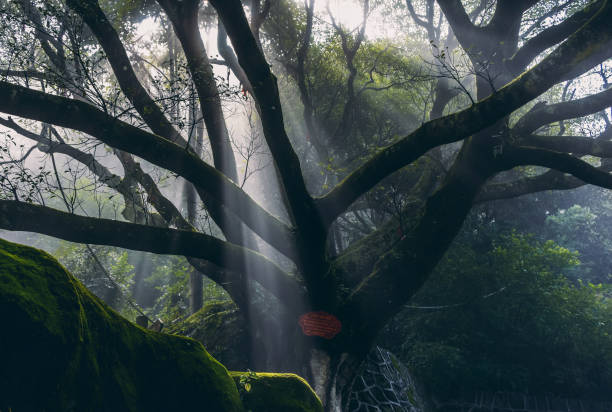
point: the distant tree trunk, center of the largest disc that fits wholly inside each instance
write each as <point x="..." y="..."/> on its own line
<point x="196" y="297"/>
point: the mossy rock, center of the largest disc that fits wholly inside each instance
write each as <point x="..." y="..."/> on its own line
<point x="62" y="349"/>
<point x="220" y="327"/>
<point x="263" y="392"/>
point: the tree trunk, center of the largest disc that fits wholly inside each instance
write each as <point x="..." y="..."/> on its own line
<point x="196" y="297"/>
<point x="332" y="376"/>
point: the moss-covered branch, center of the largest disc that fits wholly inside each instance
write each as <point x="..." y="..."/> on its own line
<point x="550" y="180"/>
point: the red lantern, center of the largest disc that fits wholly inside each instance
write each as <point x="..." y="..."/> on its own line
<point x="321" y="324"/>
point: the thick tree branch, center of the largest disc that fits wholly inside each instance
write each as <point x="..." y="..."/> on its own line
<point x="266" y="94"/>
<point x="550" y="180"/>
<point x="577" y="145"/>
<point x="467" y="33"/>
<point x="545" y="114"/>
<point x="563" y="162"/>
<point x="506" y="23"/>
<point x="81" y="116"/>
<point x="184" y="18"/>
<point x="230" y="58"/>
<point x="311" y="232"/>
<point x="595" y="36"/>
<point x="28" y="217"/>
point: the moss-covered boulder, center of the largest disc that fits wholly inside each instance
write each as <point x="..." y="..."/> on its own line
<point x="220" y="327"/>
<point x="276" y="392"/>
<point x="62" y="349"/>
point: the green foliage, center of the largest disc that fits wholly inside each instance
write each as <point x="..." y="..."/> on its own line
<point x="509" y="321"/>
<point x="126" y="13"/>
<point x="579" y="220"/>
<point x="170" y="277"/>
<point x="246" y="379"/>
<point x="579" y="229"/>
<point x="111" y="282"/>
<point x="167" y="281"/>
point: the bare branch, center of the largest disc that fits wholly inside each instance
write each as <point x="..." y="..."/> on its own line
<point x="22" y="158"/>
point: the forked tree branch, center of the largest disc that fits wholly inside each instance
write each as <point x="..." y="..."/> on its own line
<point x="311" y="233"/>
<point x="81" y="116"/>
<point x="550" y="37"/>
<point x="595" y="36"/>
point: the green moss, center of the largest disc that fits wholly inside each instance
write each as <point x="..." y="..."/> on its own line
<point x="276" y="392"/>
<point x="62" y="349"/>
<point x="220" y="327"/>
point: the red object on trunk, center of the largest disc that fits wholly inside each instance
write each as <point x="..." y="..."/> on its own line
<point x="321" y="324"/>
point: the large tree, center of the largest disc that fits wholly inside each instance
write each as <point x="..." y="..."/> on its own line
<point x="461" y="154"/>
